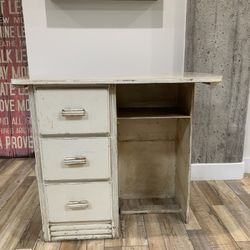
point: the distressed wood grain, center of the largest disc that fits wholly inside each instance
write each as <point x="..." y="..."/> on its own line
<point x="9" y="206"/>
<point x="12" y="178"/>
<point x="234" y="204"/>
<point x="95" y="245"/>
<point x="200" y="240"/>
<point x="32" y="231"/>
<point x="174" y="233"/>
<point x="193" y="224"/>
<point x="230" y="223"/>
<point x="69" y="245"/>
<point x="240" y="191"/>
<point x="42" y="245"/>
<point x="113" y="243"/>
<point x="223" y="226"/>
<point x="214" y="230"/>
<point x="13" y="229"/>
<point x="154" y="233"/>
<point x="133" y="230"/>
<point x="210" y="193"/>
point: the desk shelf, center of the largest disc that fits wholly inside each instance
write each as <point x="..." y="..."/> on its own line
<point x="145" y="206"/>
<point x="151" y="113"/>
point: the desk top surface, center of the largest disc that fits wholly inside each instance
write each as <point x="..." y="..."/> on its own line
<point x="181" y="78"/>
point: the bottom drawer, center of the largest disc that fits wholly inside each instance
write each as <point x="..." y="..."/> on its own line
<point x="79" y="201"/>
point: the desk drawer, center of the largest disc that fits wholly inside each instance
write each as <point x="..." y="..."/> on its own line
<point x="72" y="111"/>
<point x="79" y="202"/>
<point x="75" y="158"/>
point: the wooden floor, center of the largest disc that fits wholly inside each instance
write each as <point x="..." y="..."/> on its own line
<point x="220" y="217"/>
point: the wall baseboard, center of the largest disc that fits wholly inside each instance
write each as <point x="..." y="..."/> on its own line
<point x="247" y="164"/>
<point x="219" y="171"/>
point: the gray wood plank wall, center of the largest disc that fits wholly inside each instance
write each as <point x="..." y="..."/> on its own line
<point x="218" y="41"/>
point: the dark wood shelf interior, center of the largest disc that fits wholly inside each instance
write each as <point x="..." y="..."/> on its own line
<point x="149" y="113"/>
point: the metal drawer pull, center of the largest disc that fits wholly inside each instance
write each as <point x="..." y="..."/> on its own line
<point x="75" y="160"/>
<point x="77" y="204"/>
<point x="73" y="112"/>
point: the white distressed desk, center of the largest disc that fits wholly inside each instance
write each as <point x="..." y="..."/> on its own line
<point x="105" y="146"/>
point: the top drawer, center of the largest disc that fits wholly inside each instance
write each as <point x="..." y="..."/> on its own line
<point x="72" y="111"/>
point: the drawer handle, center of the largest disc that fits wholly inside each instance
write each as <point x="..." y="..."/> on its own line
<point x="73" y="112"/>
<point x="77" y="204"/>
<point x="75" y="160"/>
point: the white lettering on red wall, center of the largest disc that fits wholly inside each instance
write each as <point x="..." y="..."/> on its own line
<point x="15" y="128"/>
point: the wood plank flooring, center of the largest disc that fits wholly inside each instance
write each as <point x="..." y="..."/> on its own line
<point x="220" y="218"/>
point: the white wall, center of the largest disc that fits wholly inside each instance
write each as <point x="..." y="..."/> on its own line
<point x="79" y="38"/>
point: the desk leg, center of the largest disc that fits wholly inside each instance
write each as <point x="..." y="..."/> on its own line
<point x="114" y="165"/>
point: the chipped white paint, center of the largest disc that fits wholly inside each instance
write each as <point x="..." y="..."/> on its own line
<point x="96" y="152"/>
<point x="51" y="102"/>
<point x="96" y="196"/>
<point x="187" y="77"/>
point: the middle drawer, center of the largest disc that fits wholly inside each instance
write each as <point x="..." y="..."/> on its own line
<point x="75" y="158"/>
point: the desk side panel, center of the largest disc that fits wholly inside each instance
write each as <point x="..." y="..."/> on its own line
<point x="182" y="179"/>
<point x="38" y="167"/>
<point x="114" y="160"/>
<point x="183" y="152"/>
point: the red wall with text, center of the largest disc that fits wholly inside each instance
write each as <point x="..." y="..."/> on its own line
<point x="15" y="128"/>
